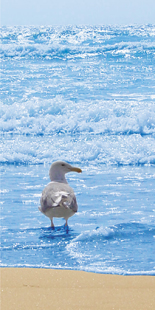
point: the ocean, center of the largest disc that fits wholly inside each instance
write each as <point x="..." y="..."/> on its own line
<point x="85" y="95"/>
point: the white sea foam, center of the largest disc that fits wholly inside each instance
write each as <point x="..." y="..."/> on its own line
<point x="118" y="134"/>
<point x="93" y="109"/>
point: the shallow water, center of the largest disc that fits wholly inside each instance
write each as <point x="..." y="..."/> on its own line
<point x="84" y="95"/>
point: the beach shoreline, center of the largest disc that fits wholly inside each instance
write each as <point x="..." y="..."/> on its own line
<point x="32" y="288"/>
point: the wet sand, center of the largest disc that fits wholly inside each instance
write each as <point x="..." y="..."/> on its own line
<point x="43" y="289"/>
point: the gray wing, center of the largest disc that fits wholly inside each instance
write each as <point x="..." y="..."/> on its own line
<point x="58" y="194"/>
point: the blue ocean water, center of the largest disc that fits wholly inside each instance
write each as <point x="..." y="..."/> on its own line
<point x="85" y="95"/>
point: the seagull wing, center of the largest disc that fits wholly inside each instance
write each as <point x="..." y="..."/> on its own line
<point x="56" y="195"/>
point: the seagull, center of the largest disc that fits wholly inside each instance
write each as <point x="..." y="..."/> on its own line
<point x="58" y="198"/>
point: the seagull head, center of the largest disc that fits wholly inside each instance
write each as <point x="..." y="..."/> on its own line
<point x="58" y="170"/>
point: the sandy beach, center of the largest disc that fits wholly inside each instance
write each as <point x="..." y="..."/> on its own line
<point x="30" y="289"/>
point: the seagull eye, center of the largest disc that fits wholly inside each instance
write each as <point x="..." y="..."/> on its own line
<point x="62" y="164"/>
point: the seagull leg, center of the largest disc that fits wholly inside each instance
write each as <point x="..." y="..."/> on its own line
<point x="52" y="224"/>
<point x="66" y="226"/>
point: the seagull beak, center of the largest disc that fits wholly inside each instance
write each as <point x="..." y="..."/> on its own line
<point x="76" y="169"/>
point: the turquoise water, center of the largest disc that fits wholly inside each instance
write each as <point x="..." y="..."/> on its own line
<point x="85" y="95"/>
